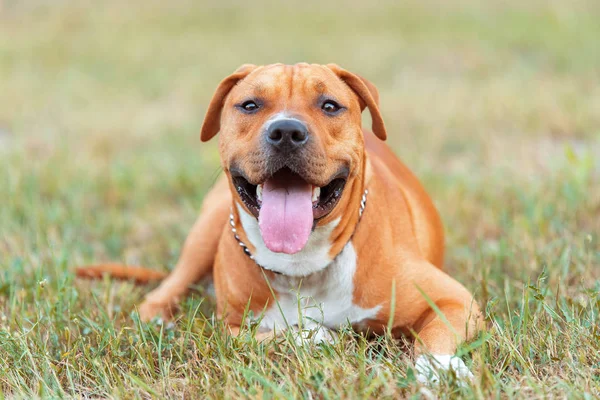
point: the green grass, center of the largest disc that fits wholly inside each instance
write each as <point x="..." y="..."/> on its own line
<point x="495" y="105"/>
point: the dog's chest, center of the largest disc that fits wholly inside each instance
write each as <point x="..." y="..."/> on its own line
<point x="323" y="298"/>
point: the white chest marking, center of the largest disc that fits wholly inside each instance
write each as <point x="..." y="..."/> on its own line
<point x="323" y="298"/>
<point x="312" y="258"/>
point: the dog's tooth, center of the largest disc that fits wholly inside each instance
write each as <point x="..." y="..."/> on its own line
<point x="316" y="194"/>
<point x="259" y="189"/>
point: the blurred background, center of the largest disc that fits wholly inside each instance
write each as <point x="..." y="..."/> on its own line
<point x="495" y="105"/>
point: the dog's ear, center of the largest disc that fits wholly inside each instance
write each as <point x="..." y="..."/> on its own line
<point x="368" y="96"/>
<point x="212" y="120"/>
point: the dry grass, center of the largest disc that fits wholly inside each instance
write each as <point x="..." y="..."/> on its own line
<point x="495" y="105"/>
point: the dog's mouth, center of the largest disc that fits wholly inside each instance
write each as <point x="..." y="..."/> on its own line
<point x="288" y="207"/>
<point x="323" y="199"/>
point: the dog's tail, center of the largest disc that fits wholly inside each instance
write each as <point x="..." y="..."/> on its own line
<point x="139" y="275"/>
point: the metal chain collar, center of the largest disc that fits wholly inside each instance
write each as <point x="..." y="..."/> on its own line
<point x="363" y="204"/>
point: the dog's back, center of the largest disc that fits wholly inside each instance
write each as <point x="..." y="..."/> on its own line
<point x="426" y="220"/>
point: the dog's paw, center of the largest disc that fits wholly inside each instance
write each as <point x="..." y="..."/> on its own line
<point x="429" y="368"/>
<point x="149" y="311"/>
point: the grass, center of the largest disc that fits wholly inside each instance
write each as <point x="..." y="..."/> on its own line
<point x="495" y="105"/>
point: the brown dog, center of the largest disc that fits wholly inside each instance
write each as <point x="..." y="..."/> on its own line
<point x="316" y="223"/>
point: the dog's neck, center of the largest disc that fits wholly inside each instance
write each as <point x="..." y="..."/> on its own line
<point x="325" y="243"/>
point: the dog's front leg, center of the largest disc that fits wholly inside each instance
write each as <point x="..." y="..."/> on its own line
<point x="197" y="257"/>
<point x="445" y="315"/>
<point x="437" y="341"/>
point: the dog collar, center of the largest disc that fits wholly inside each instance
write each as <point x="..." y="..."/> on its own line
<point x="246" y="250"/>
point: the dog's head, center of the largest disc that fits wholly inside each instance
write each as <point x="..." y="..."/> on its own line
<point x="292" y="145"/>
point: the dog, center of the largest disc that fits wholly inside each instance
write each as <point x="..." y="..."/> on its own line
<point x="315" y="223"/>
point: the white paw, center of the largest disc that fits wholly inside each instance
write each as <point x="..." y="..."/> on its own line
<point x="314" y="334"/>
<point x="429" y="367"/>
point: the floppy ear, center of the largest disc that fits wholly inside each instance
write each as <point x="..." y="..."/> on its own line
<point x="368" y="96"/>
<point x="212" y="120"/>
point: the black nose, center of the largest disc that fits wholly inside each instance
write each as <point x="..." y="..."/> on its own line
<point x="287" y="134"/>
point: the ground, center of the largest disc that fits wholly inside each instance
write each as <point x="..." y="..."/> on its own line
<point x="495" y="105"/>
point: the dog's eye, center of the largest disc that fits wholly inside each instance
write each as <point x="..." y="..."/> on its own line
<point x="330" y="107"/>
<point x="249" y="106"/>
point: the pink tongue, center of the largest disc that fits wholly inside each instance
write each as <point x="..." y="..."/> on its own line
<point x="286" y="215"/>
